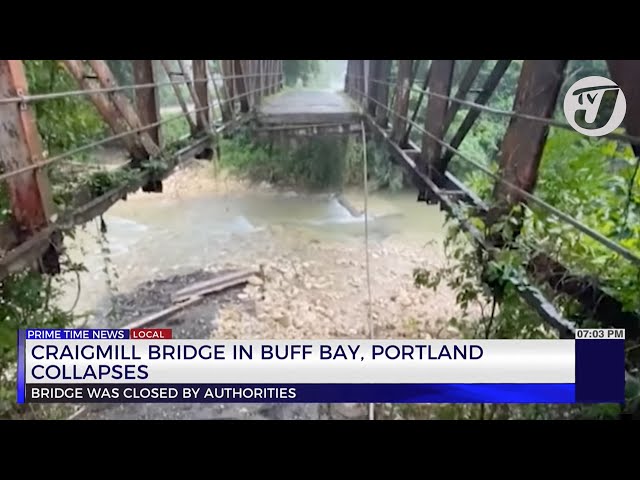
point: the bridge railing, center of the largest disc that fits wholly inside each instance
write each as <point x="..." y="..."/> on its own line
<point x="369" y="84"/>
<point x="33" y="233"/>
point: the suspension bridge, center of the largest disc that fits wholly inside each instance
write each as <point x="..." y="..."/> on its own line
<point x="250" y="92"/>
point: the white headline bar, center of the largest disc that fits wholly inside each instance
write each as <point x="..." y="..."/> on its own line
<point x="330" y="361"/>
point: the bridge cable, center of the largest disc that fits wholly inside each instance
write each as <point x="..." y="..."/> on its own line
<point x="595" y="235"/>
<point x="366" y="244"/>
<point x="632" y="139"/>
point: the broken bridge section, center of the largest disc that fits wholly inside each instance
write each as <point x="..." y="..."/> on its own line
<point x="308" y="112"/>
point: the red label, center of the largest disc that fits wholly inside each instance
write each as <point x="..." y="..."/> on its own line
<point x="150" y="334"/>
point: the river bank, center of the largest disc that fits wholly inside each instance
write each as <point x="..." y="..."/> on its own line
<point x="312" y="252"/>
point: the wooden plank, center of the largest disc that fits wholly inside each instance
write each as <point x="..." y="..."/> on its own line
<point x="176" y="89"/>
<point x="483" y="97"/>
<point x="403" y="93"/>
<point x="122" y="103"/>
<point x="29" y="192"/>
<point x="147" y="100"/>
<point x="430" y="160"/>
<point x="537" y="93"/>
<point x="191" y="289"/>
<point x="212" y="289"/>
<point x="106" y="109"/>
<point x="164" y="314"/>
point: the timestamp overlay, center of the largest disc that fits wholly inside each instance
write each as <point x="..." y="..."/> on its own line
<point x="600" y="364"/>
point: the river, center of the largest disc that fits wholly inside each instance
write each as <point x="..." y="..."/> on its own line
<point x="199" y="223"/>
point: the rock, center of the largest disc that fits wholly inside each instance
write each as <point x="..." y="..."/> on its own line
<point x="254" y="280"/>
<point x="243" y="296"/>
<point x="282" y="318"/>
<point x="453" y="331"/>
<point x="405" y="300"/>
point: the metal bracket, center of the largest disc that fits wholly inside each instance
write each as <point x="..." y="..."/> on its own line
<point x="22" y="105"/>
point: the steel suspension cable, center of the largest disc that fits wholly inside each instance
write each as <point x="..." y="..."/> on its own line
<point x="546" y="206"/>
<point x="78" y="93"/>
<point x="104" y="141"/>
<point x="512" y="114"/>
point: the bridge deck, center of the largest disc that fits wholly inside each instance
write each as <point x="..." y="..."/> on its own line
<point x="304" y="107"/>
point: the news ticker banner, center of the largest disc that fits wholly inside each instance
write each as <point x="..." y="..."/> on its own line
<point x="148" y="365"/>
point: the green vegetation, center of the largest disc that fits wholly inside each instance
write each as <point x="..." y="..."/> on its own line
<point x="314" y="163"/>
<point x="594" y="181"/>
<point x="300" y="70"/>
<point x="28" y="299"/>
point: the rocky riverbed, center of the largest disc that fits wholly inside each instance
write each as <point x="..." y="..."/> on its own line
<point x="312" y="287"/>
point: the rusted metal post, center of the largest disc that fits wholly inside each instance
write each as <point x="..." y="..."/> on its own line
<point x="201" y="110"/>
<point x="363" y="70"/>
<point x="147" y="101"/>
<point x="403" y="93"/>
<point x="414" y="116"/>
<point x="356" y="79"/>
<point x="347" y="78"/>
<point x="29" y="192"/>
<point x="216" y="92"/>
<point x="241" y="86"/>
<point x="430" y="160"/>
<point x="371" y="77"/>
<point x="106" y="109"/>
<point x="463" y="88"/>
<point x="261" y="82"/>
<point x="122" y="103"/>
<point x="537" y="93"/>
<point x="382" y="92"/>
<point x="176" y="89"/>
<point x="201" y="91"/>
<point x="483" y="97"/>
<point x="280" y="77"/>
<point x="226" y="70"/>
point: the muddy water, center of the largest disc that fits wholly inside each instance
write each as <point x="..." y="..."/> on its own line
<point x="158" y="235"/>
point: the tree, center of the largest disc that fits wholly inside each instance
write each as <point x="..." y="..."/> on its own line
<point x="303" y="70"/>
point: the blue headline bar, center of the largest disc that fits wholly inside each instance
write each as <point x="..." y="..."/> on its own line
<point x="303" y="393"/>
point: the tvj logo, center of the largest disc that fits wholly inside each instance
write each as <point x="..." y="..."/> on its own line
<point x="587" y="94"/>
